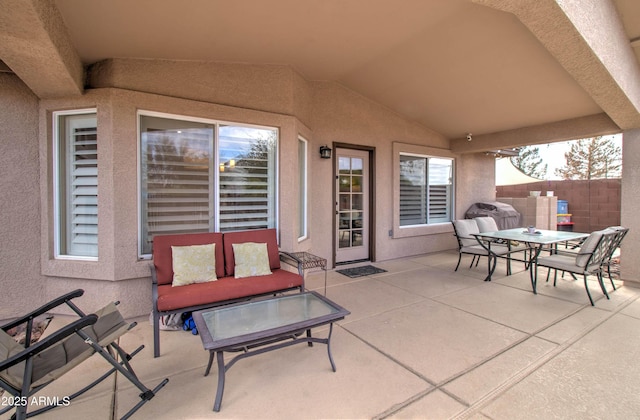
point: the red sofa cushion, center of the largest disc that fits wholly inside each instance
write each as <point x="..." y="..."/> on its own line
<point x="267" y="236"/>
<point x="163" y="260"/>
<point x="223" y="289"/>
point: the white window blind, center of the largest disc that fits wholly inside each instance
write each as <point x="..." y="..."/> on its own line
<point x="176" y="179"/>
<point x="425" y="190"/>
<point x="247" y="178"/>
<point x="78" y="185"/>
<point x="412" y="190"/>
<point x="187" y="187"/>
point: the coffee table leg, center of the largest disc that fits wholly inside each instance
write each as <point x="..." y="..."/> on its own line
<point x="220" y="391"/>
<point x="206" y="372"/>
<point x="333" y="365"/>
<point x="310" y="344"/>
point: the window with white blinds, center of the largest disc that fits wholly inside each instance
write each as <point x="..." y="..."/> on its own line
<point x="426" y="190"/>
<point x="247" y="177"/>
<point x="302" y="186"/>
<point x="77" y="185"/>
<point x="205" y="176"/>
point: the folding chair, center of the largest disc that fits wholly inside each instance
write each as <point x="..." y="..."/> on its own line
<point x="25" y="370"/>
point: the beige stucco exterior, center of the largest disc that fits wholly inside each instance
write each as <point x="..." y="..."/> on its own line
<point x="22" y="279"/>
<point x="334" y="114"/>
<point x="432" y="73"/>
<point x="629" y="267"/>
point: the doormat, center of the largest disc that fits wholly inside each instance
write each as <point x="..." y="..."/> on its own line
<point x="365" y="270"/>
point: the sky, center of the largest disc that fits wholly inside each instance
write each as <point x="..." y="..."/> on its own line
<point x="553" y="154"/>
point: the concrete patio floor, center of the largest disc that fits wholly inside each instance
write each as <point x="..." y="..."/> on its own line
<point x="422" y="341"/>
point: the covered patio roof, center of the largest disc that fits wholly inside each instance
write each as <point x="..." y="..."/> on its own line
<point x="511" y="72"/>
<point x="508" y="174"/>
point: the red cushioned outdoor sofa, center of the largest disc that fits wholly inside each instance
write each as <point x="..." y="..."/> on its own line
<point x="168" y="299"/>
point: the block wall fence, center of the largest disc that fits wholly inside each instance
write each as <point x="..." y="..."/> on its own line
<point x="593" y="205"/>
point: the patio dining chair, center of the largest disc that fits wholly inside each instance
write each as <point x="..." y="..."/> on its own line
<point x="620" y="232"/>
<point x="467" y="244"/>
<point x="27" y="369"/>
<point x="589" y="260"/>
<point x="489" y="224"/>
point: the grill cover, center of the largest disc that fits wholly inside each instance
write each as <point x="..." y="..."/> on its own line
<point x="505" y="215"/>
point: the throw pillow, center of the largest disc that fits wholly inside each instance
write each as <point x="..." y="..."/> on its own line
<point x="251" y="259"/>
<point x="193" y="264"/>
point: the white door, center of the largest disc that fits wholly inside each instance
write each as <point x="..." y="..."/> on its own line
<point x="352" y="205"/>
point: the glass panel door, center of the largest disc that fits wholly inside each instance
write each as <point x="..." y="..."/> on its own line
<point x="352" y="236"/>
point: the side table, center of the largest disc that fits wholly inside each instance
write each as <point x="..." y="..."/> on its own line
<point x="307" y="260"/>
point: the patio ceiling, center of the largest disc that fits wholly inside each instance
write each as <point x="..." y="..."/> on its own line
<point x="456" y="66"/>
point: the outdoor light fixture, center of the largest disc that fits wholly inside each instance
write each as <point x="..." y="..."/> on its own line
<point x="325" y="152"/>
<point x="469" y="137"/>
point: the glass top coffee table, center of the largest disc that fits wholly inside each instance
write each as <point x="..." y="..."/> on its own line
<point x="259" y="326"/>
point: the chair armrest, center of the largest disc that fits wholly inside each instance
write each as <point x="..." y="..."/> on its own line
<point x="484" y="239"/>
<point x="581" y="253"/>
<point x="154" y="276"/>
<point x="566" y="252"/>
<point x="154" y="288"/>
<point x="465" y="237"/>
<point x="49" y="341"/>
<point x="44" y="309"/>
<point x="487" y="240"/>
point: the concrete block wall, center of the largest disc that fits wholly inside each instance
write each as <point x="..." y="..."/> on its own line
<point x="593" y="205"/>
<point x="534" y="211"/>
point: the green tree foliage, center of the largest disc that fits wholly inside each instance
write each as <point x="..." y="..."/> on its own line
<point x="530" y="163"/>
<point x="592" y="158"/>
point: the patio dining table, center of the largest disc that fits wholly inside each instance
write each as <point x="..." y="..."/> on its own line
<point x="535" y="243"/>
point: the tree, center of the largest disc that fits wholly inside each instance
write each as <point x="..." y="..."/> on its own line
<point x="530" y="163"/>
<point x="592" y="158"/>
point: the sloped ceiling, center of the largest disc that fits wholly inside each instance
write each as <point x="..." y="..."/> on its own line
<point x="451" y="65"/>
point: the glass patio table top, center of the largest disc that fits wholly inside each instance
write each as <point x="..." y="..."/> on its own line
<point x="256" y="327"/>
<point x="245" y="322"/>
<point x="542" y="237"/>
<point x="535" y="242"/>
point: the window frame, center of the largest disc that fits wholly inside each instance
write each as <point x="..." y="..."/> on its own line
<point x="427" y="178"/>
<point x="58" y="179"/>
<point x="215" y="185"/>
<point x="422" y="152"/>
<point x="303" y="178"/>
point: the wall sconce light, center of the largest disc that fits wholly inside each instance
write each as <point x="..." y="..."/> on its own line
<point x="325" y="152"/>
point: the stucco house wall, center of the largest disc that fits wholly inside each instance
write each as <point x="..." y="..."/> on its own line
<point x="20" y="203"/>
<point x="630" y="203"/>
<point x="321" y="112"/>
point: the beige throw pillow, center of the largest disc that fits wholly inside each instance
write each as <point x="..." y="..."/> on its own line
<point x="193" y="264"/>
<point x="251" y="259"/>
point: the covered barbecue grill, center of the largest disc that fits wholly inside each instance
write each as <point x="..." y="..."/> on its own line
<point x="505" y="215"/>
